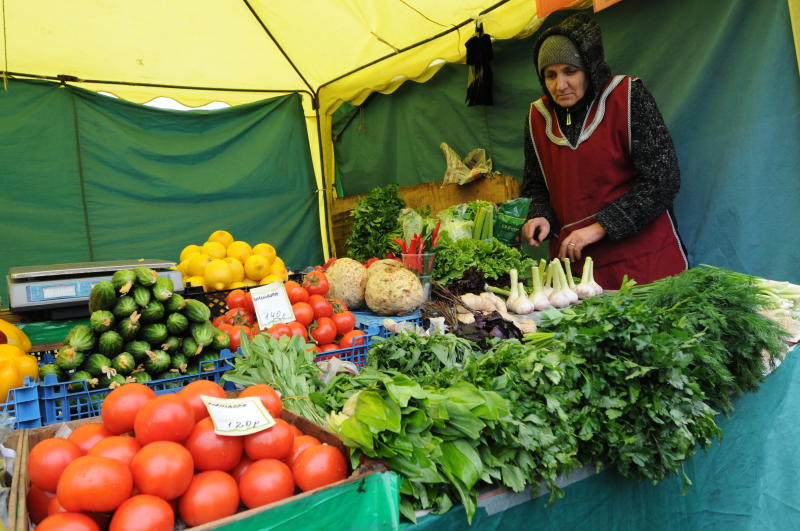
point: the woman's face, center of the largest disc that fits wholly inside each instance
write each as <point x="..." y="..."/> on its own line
<point x="566" y="83"/>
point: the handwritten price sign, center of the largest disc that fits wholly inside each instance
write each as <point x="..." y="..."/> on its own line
<point x="272" y="305"/>
<point x="238" y="416"/>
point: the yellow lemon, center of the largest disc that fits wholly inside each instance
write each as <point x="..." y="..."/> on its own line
<point x="257" y="266"/>
<point x="221" y="236"/>
<point x="196" y="282"/>
<point x="269" y="279"/>
<point x="240" y="250"/>
<point x="236" y="267"/>
<point x="183" y="267"/>
<point x="279" y="260"/>
<point x="215" y="249"/>
<point x="217" y="274"/>
<point x="278" y="269"/>
<point x="197" y="265"/>
<point x="249" y="282"/>
<point x="265" y="249"/>
<point x="237" y="285"/>
<point x="188" y="251"/>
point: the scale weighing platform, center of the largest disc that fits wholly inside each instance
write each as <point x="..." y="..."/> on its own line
<point x="61" y="291"/>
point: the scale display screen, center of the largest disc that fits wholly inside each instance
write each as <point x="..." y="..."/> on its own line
<point x="56" y="292"/>
<point x="59" y="291"/>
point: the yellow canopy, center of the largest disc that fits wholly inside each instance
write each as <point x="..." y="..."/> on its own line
<point x="199" y="51"/>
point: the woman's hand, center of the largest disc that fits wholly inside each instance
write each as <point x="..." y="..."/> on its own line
<point x="536" y="230"/>
<point x="574" y="243"/>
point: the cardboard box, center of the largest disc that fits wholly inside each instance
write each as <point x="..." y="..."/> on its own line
<point x="24" y="440"/>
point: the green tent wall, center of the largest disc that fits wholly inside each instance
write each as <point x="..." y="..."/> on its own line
<point x="87" y="177"/>
<point x="724" y="74"/>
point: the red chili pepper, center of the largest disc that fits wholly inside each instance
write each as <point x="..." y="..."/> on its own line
<point x="435" y="234"/>
<point x="420" y="252"/>
<point x="402" y="245"/>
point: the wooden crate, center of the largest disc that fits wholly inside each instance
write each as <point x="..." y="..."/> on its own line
<point x="496" y="189"/>
<point x="24" y="440"/>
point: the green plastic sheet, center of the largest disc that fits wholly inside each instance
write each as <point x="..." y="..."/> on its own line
<point x="369" y="503"/>
<point x="724" y="74"/>
<point x="47" y="332"/>
<point x="746" y="481"/>
<point x="87" y="177"/>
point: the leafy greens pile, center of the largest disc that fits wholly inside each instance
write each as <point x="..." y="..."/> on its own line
<point x="375" y="223"/>
<point x="494" y="259"/>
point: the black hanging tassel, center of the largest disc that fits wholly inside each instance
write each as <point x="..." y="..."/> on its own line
<point x="479" y="73"/>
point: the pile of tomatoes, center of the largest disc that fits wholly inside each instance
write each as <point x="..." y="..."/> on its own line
<point x="153" y="458"/>
<point x="324" y="322"/>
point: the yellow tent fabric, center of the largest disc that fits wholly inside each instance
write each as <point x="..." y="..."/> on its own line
<point x="794" y="14"/>
<point x="199" y="51"/>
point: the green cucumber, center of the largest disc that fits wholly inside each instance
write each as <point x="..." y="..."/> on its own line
<point x="196" y="311"/>
<point x="51" y="368"/>
<point x="142" y="296"/>
<point x="102" y="296"/>
<point x="77" y="378"/>
<point x="138" y="349"/>
<point x="81" y="337"/>
<point x="98" y="365"/>
<point x="123" y="280"/>
<point x="110" y="343"/>
<point x="175" y="303"/>
<point x="124" y="307"/>
<point x="145" y="276"/>
<point x="163" y="288"/>
<point x="123" y="363"/>
<point x="190" y="348"/>
<point x="157" y="362"/>
<point x="129" y="327"/>
<point x="153" y="312"/>
<point x="179" y="362"/>
<point x="171" y="345"/>
<point x="101" y="321"/>
<point x="177" y="324"/>
<point x="221" y="340"/>
<point x="203" y="358"/>
<point x="154" y="333"/>
<point x="112" y="381"/>
<point x="68" y="358"/>
<point x="203" y="333"/>
<point x="142" y="377"/>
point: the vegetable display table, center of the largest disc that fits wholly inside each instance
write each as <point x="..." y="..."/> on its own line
<point x="747" y="480"/>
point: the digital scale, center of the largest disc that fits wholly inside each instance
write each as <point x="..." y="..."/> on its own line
<point x="61" y="291"/>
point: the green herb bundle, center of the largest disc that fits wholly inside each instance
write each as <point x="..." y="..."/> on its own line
<point x="421" y="357"/>
<point x="375" y="223"/>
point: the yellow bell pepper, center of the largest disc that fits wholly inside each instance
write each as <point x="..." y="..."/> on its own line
<point x="9" y="378"/>
<point x="15" y="336"/>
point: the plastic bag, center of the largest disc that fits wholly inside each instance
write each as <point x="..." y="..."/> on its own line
<point x="511" y="216"/>
<point x="454" y="222"/>
<point x="474" y="165"/>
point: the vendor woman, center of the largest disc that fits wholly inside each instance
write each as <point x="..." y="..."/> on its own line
<point x="600" y="166"/>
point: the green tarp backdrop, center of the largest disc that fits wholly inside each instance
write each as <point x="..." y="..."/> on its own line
<point x="86" y="177"/>
<point x="724" y="74"/>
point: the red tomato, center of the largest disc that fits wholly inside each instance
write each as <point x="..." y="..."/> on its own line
<point x="303" y="312"/>
<point x="165" y="418"/>
<point x="295" y="430"/>
<point x="88" y="435"/>
<point x="298" y="445"/>
<point x="68" y="522"/>
<point x="119" y="447"/>
<point x="313" y="348"/>
<point x="93" y="483"/>
<point x="211" y="495"/>
<point x="121" y="405"/>
<point x="55" y="506"/>
<point x="241" y="468"/>
<point x="328" y="347"/>
<point x="37" y="501"/>
<point x="240" y="298"/>
<point x="354" y="338"/>
<point x="321" y="307"/>
<point x="211" y="451"/>
<point x="338" y="306"/>
<point x="193" y="391"/>
<point x="266" y="481"/>
<point x="329" y="263"/>
<point x="278" y="330"/>
<point x="344" y="321"/>
<point x="48" y="459"/>
<point x="298" y="329"/>
<point x="295" y="291"/>
<point x="323" y="331"/>
<point x="269" y="397"/>
<point x="143" y="512"/>
<point x="238" y="316"/>
<point x="272" y="443"/>
<point x="319" y="465"/>
<point x="163" y="469"/>
<point x="316" y="283"/>
<point x="372" y="260"/>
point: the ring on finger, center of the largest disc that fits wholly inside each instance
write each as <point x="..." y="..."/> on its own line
<point x="572" y="244"/>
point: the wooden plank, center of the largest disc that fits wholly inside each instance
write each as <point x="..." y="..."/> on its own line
<point x="496" y="188"/>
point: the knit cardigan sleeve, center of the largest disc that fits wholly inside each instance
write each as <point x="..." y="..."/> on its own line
<point x="657" y="177"/>
<point x="533" y="185"/>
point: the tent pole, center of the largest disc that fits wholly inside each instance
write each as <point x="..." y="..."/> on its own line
<point x="329" y="249"/>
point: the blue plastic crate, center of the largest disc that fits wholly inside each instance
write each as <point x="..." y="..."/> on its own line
<point x="377" y="329"/>
<point x="369" y="321"/>
<point x="23" y="404"/>
<point x="356" y="354"/>
<point x="58" y="404"/>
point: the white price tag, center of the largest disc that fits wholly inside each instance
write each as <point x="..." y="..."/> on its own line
<point x="272" y="305"/>
<point x="238" y="416"/>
